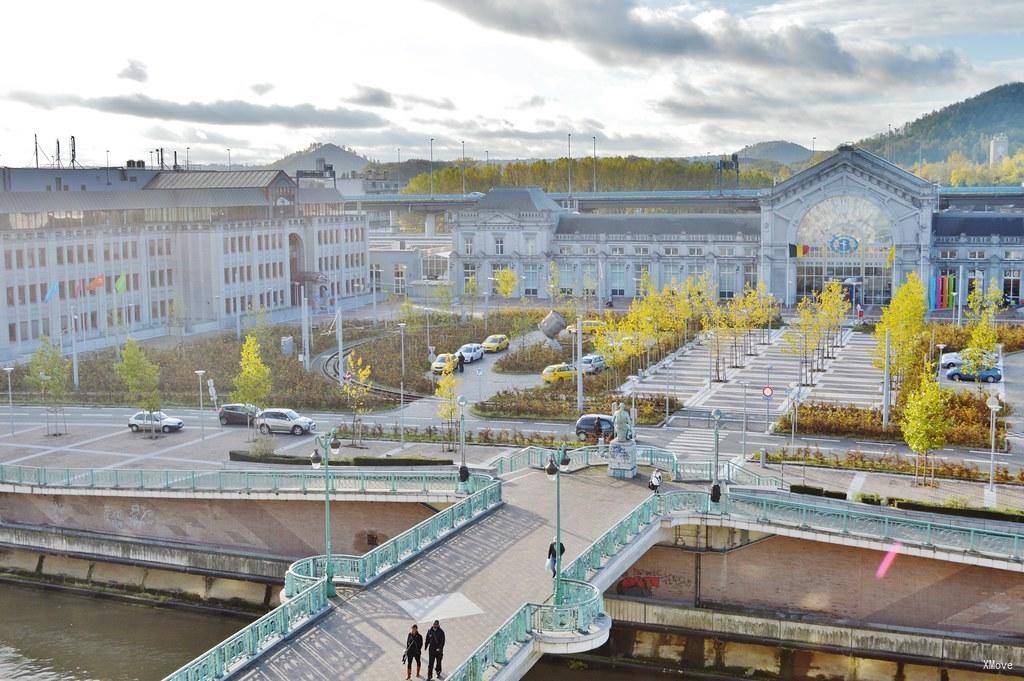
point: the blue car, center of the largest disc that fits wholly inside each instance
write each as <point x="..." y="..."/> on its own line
<point x="991" y="375"/>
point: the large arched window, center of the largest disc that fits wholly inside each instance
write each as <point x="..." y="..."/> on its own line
<point x="846" y="227"/>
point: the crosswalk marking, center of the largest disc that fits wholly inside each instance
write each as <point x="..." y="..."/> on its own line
<point x="694" y="441"/>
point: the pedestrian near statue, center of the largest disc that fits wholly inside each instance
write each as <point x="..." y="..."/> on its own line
<point x="655" y="483"/>
<point x="435" y="649"/>
<point x="413" y="649"/>
<point x="553" y="557"/>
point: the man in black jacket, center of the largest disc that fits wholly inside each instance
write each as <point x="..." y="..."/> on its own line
<point x="553" y="557"/>
<point x="413" y="647"/>
<point x="435" y="649"/>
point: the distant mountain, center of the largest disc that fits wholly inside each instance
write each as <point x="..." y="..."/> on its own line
<point x="343" y="160"/>
<point x="778" y="151"/>
<point x="966" y="127"/>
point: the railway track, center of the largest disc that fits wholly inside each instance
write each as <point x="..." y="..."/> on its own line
<point x="329" y="366"/>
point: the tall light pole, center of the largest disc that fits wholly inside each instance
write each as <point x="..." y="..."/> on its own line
<point x="554" y="473"/>
<point x="716" y="415"/>
<point x="229" y="159"/>
<point x="431" y="166"/>
<point x="579" y="364"/>
<point x="187" y="149"/>
<point x="202" y="421"/>
<point x="768" y="403"/>
<point x="463" y="167"/>
<point x="795" y="397"/>
<point x="10" y="396"/>
<point x="339" y="336"/>
<point x="401" y="389"/>
<point x="569" y="166"/>
<point x="938" y="364"/>
<point x="993" y="406"/>
<point x="595" y="163"/>
<point x="74" y="347"/>
<point x="744" y="384"/>
<point x="463" y="469"/>
<point x="398" y="170"/>
<point x="331" y="446"/>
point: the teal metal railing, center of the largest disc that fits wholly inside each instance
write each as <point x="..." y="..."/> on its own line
<point x="242" y="481"/>
<point x="255" y="639"/>
<point x="364" y="569"/>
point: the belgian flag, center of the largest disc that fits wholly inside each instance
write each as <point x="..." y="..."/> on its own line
<point x="799" y="250"/>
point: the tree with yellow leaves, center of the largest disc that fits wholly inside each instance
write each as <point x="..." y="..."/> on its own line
<point x="356" y="389"/>
<point x="982" y="307"/>
<point x="926" y="422"/>
<point x="448" y="406"/>
<point x="904" y="319"/>
<point x="802" y="337"/>
<point x="506" y="281"/>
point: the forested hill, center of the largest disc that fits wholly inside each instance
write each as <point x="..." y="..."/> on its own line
<point x="964" y="127"/>
<point x="778" y="151"/>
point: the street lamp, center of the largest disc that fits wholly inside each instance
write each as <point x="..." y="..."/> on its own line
<point x="993" y="406"/>
<point x="744" y="384"/>
<point x="463" y="469"/>
<point x="431" y="166"/>
<point x="10" y="398"/>
<point x="202" y="421"/>
<point x="554" y="472"/>
<point x="330" y="443"/>
<point x="716" y="415"/>
<point x="768" y="403"/>
<point x="938" y="367"/>
<point x="795" y="398"/>
<point x="401" y="389"/>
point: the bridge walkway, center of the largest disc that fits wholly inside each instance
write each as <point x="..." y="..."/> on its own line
<point x="472" y="582"/>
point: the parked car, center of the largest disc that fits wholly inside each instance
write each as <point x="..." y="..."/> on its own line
<point x="589" y="326"/>
<point x="593" y="364"/>
<point x="471" y="352"/>
<point x="284" y="421"/>
<point x="948" y="360"/>
<point x="496" y="342"/>
<point x="553" y="373"/>
<point x="445" y="362"/>
<point x="237" y="414"/>
<point x="585" y="427"/>
<point x="156" y="420"/>
<point x="990" y="375"/>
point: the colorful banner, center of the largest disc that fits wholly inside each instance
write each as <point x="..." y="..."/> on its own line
<point x="942" y="292"/>
<point x="95" y="283"/>
<point x="799" y="250"/>
<point x="51" y="292"/>
<point x="121" y="285"/>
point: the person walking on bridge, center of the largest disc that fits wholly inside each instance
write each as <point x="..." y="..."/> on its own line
<point x="435" y="649"/>
<point x="413" y="649"/>
<point x="553" y="557"/>
<point x="655" y="483"/>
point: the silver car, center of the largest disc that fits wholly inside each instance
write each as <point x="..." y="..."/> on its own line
<point x="471" y="352"/>
<point x="156" y="420"/>
<point x="284" y="421"/>
<point x="592" y="364"/>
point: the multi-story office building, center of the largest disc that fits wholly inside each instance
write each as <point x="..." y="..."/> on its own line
<point x="185" y="252"/>
<point x="853" y="217"/>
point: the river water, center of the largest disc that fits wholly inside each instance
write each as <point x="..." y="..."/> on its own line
<point x="48" y="635"/>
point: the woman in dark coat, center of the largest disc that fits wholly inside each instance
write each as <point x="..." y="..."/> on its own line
<point x="413" y="648"/>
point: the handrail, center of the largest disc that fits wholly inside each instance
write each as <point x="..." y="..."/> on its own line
<point x="363" y="570"/>
<point x="240" y="480"/>
<point x="255" y="639"/>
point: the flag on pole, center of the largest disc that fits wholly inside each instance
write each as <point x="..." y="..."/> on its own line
<point x="95" y="283"/>
<point x="51" y="292"/>
<point x="892" y="257"/>
<point x="121" y="285"/>
<point x="799" y="250"/>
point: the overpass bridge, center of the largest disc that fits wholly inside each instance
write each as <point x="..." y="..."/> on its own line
<point x="488" y="584"/>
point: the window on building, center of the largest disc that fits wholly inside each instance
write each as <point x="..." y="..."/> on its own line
<point x="530" y="244"/>
<point x="975" y="278"/>
<point x="750" y="275"/>
<point x="695" y="251"/>
<point x="468" y="274"/>
<point x="1013" y="254"/>
<point x="642" y="250"/>
<point x="467" y="244"/>
<point x="565" y="250"/>
<point x="499" y="245"/>
<point x="589" y="279"/>
<point x="726" y="251"/>
<point x="728" y="281"/>
<point x="618" y="282"/>
<point x="947" y="254"/>
<point x="1011" y="286"/>
<point x="399" y="279"/>
<point x="671" y="250"/>
<point x="976" y="255"/>
<point x="590" y="250"/>
<point x="618" y="250"/>
<point x="531" y="277"/>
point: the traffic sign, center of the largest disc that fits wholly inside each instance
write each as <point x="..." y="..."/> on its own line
<point x="767" y="392"/>
<point x="479" y="372"/>
<point x="212" y="390"/>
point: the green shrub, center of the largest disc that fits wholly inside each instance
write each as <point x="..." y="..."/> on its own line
<point x="807" y="489"/>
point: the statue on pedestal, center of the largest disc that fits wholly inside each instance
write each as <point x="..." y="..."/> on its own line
<point x="623" y="423"/>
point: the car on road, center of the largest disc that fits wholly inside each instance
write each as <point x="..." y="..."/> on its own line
<point x="593" y="363"/>
<point x="589" y="326"/>
<point x="496" y="342"/>
<point x="276" y="420"/>
<point x="237" y="414"/>
<point x="990" y="375"/>
<point x="948" y="360"/>
<point x="553" y="373"/>
<point x="445" y="362"/>
<point x="156" y="420"/>
<point x="585" y="431"/>
<point x="471" y="352"/>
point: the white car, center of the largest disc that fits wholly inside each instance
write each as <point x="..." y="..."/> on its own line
<point x="948" y="360"/>
<point x="156" y="420"/>
<point x="284" y="421"/>
<point x="592" y="364"/>
<point x="471" y="352"/>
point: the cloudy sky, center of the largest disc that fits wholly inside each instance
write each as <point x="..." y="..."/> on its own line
<point x="653" y="77"/>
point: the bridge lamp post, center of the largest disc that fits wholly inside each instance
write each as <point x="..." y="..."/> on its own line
<point x="330" y="444"/>
<point x="554" y="473"/>
<point x="10" y="398"/>
<point x="401" y="389"/>
<point x="716" y="416"/>
<point x="938" y="364"/>
<point x="744" y="384"/>
<point x="993" y="406"/>
<point x="202" y="421"/>
<point x="463" y="469"/>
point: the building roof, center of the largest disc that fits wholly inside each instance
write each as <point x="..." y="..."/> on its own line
<point x="517" y="200"/>
<point x="856" y="156"/>
<point x="216" y="179"/>
<point x="44" y="202"/>
<point x="659" y="223"/>
<point x="978" y="224"/>
<point x="319" y="195"/>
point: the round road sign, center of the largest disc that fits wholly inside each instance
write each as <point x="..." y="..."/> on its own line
<point x="767" y="392"/>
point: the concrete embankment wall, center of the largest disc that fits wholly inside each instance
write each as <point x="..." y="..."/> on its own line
<point x="665" y="637"/>
<point x="830" y="581"/>
<point x="288" y="528"/>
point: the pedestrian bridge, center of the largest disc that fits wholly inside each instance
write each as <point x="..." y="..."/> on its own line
<point x="488" y="585"/>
